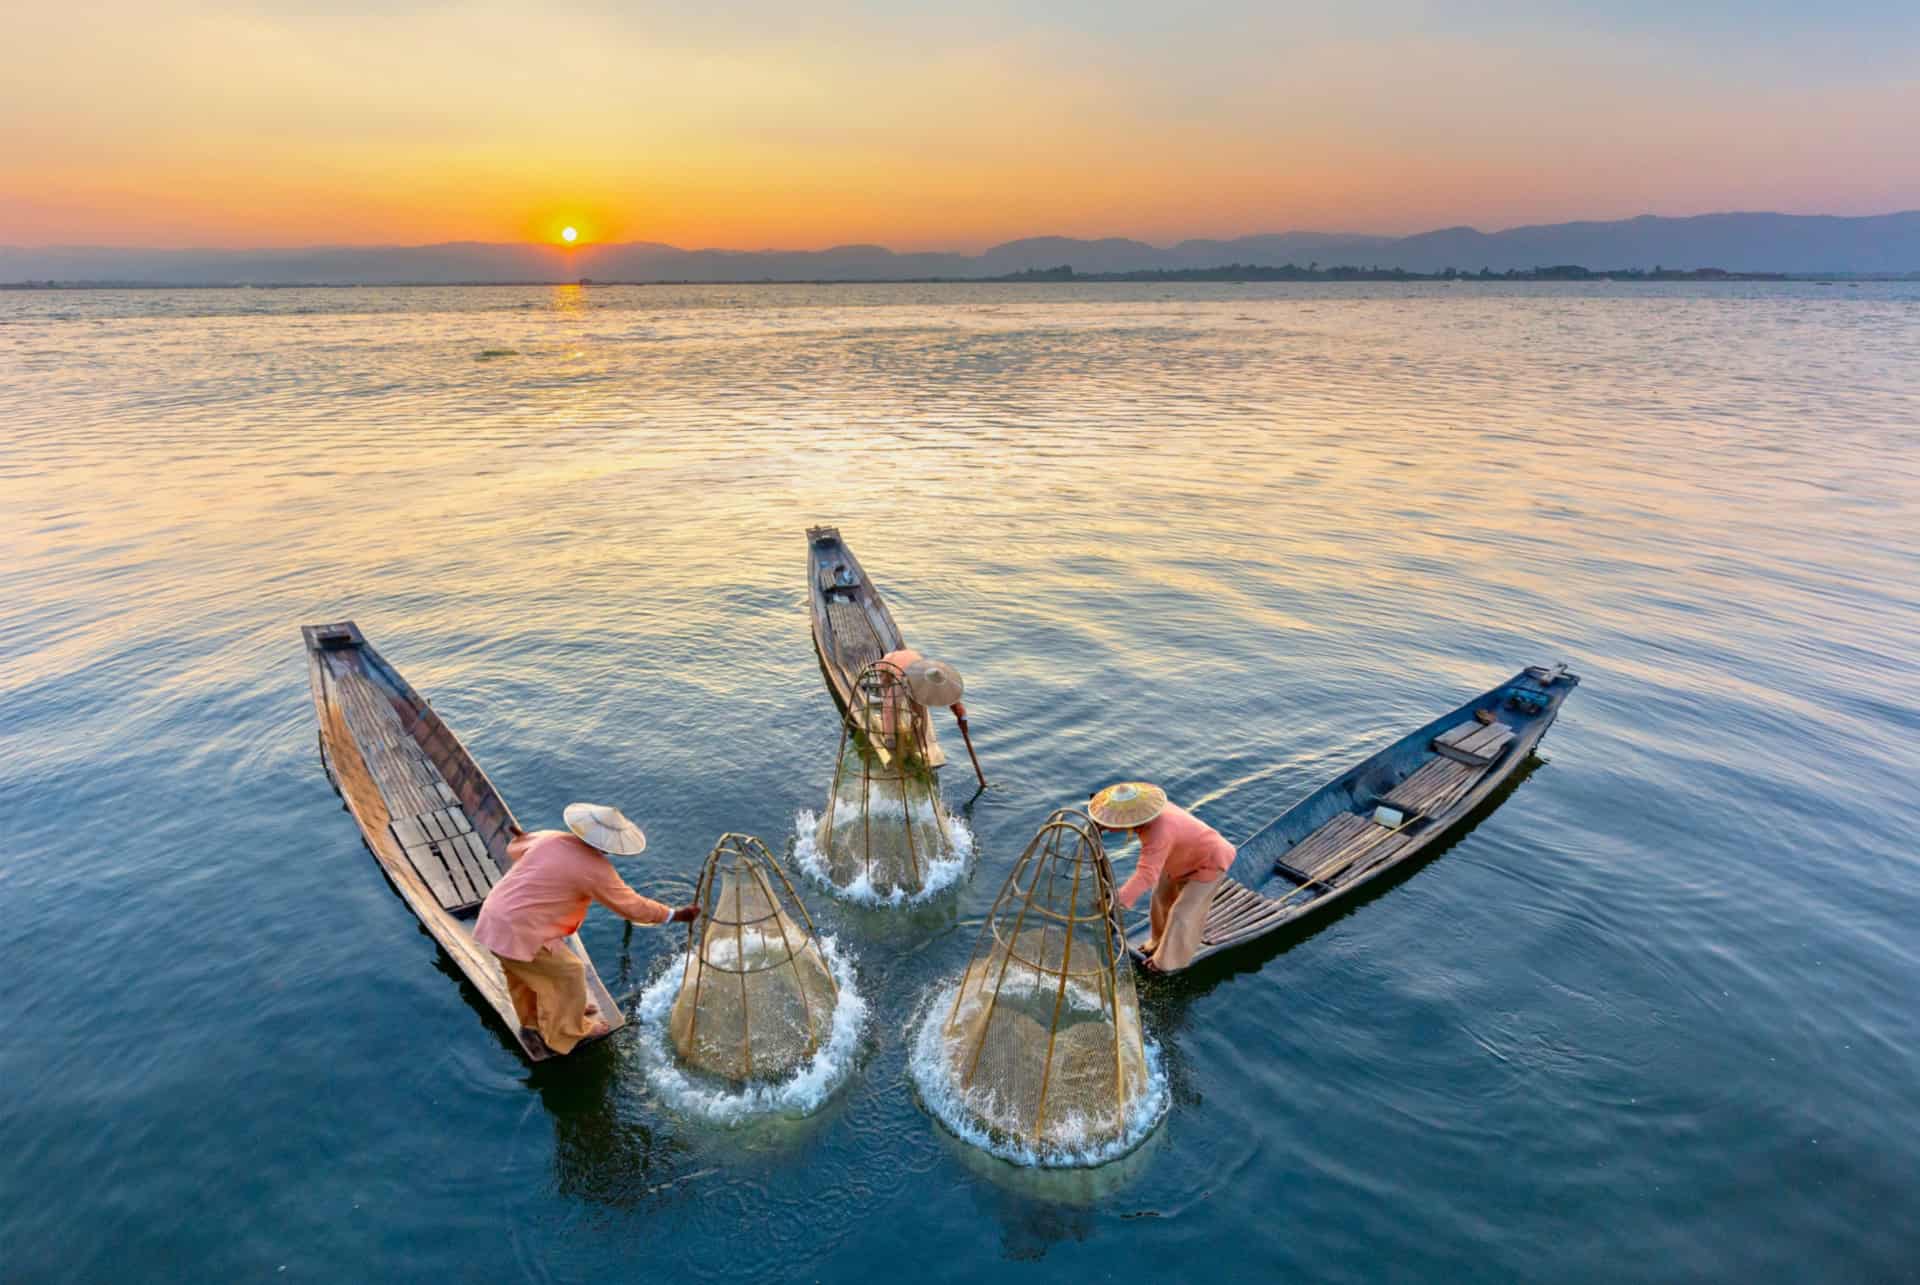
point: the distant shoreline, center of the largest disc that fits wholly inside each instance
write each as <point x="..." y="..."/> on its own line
<point x="1233" y="274"/>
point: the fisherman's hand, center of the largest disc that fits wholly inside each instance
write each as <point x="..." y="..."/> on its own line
<point x="685" y="915"/>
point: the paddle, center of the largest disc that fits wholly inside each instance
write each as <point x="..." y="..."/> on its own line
<point x="960" y="717"/>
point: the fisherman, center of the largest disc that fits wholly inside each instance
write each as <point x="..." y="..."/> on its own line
<point x="929" y="683"/>
<point x="543" y="900"/>
<point x="1182" y="859"/>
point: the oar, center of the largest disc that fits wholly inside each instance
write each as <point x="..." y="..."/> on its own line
<point x="960" y="717"/>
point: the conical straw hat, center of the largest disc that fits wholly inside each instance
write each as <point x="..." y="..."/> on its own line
<point x="606" y="829"/>
<point x="1126" y="805"/>
<point x="933" y="683"/>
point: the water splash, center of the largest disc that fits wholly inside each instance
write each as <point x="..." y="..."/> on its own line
<point x="801" y="1093"/>
<point x="941" y="874"/>
<point x="1068" y="1143"/>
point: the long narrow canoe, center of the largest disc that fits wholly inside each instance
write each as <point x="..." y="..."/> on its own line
<point x="1332" y="843"/>
<point x="852" y="627"/>
<point x="427" y="812"/>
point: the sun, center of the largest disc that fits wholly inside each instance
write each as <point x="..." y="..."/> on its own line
<point x="569" y="235"/>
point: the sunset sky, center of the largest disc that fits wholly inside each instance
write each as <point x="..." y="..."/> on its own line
<point x="764" y="124"/>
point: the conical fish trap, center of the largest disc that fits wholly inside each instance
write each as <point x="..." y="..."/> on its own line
<point x="1043" y="1042"/>
<point x="757" y="997"/>
<point x="883" y="821"/>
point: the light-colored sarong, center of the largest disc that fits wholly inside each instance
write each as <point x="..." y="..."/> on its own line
<point x="549" y="992"/>
<point x="1179" y="917"/>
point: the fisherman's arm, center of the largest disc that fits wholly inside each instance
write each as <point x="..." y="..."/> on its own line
<point x="1154" y="846"/>
<point x="615" y="895"/>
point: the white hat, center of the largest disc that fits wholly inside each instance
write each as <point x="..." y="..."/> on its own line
<point x="933" y="683"/>
<point x="606" y="829"/>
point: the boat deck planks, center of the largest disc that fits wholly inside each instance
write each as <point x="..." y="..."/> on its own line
<point x="395" y="764"/>
<point x="428" y="829"/>
<point x="1474" y="743"/>
<point x="855" y="644"/>
<point x="1435" y="777"/>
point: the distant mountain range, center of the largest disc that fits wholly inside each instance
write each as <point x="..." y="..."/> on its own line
<point x="1805" y="244"/>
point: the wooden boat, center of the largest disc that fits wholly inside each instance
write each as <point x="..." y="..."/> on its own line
<point x="427" y="812"/>
<point x="1333" y="842"/>
<point x="852" y="627"/>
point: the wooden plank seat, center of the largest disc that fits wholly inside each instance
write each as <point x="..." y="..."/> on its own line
<point x="1473" y="743"/>
<point x="1326" y="842"/>
<point x="1434" y="785"/>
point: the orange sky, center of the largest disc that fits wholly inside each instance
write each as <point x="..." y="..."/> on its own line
<point x="283" y="123"/>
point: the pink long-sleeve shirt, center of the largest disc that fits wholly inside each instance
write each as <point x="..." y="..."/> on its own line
<point x="899" y="658"/>
<point x="1177" y="846"/>
<point x="544" y="898"/>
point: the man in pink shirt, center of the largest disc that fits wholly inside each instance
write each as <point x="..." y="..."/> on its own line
<point x="928" y="682"/>
<point x="1182" y="859"/>
<point x="540" y="902"/>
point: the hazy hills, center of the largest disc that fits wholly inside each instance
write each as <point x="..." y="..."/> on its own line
<point x="1887" y="243"/>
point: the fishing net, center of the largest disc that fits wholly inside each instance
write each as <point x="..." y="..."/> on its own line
<point x="883" y="824"/>
<point x="1043" y="1043"/>
<point x="756" y="999"/>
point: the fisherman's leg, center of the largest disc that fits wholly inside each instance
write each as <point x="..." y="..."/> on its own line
<point x="559" y="980"/>
<point x="1186" y="925"/>
<point x="526" y="1003"/>
<point x="1164" y="892"/>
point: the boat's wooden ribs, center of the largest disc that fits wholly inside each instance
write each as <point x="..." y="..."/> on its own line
<point x="425" y="814"/>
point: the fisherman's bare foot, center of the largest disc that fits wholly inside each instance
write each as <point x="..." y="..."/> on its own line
<point x="595" y="1030"/>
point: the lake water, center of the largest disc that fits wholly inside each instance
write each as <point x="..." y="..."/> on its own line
<point x="1653" y="1017"/>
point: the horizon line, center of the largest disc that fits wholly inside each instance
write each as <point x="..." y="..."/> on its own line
<point x="578" y="248"/>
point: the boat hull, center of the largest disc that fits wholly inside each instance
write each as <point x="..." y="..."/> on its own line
<point x="349" y="680"/>
<point x="1288" y="890"/>
<point x="852" y="627"/>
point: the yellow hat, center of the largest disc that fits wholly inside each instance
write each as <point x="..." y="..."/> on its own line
<point x="1126" y="805"/>
<point x="606" y="829"/>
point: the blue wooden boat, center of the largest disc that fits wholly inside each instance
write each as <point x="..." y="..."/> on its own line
<point x="1382" y="813"/>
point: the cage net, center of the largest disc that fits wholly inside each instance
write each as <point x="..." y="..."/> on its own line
<point x="757" y="998"/>
<point x="883" y="822"/>
<point x="1043" y="1042"/>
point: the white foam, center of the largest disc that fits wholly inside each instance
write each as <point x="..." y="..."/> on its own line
<point x="1069" y="1142"/>
<point x="801" y="1093"/>
<point x="941" y="874"/>
<point x="887" y="807"/>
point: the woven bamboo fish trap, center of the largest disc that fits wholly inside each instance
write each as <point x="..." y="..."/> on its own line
<point x="757" y="998"/>
<point x="1043" y="1042"/>
<point x="883" y="820"/>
